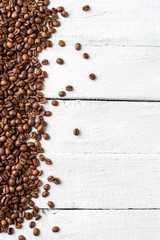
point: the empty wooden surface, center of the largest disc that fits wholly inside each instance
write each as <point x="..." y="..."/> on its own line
<point x="110" y="173"/>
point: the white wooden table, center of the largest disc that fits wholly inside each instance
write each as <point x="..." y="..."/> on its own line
<point x="110" y="173"/>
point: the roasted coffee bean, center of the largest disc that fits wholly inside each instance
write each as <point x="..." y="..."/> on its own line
<point x="62" y="94"/>
<point x="50" y="179"/>
<point x="85" y="55"/>
<point x="10" y="231"/>
<point x="32" y="224"/>
<point x="78" y="46"/>
<point x="46" y="187"/>
<point x="61" y="43"/>
<point x="55" y="229"/>
<point x="21" y="237"/>
<point x="76" y="131"/>
<point x="37" y="217"/>
<point x="45" y="194"/>
<point x="55" y="103"/>
<point x="64" y="14"/>
<point x="86" y="8"/>
<point x="56" y="181"/>
<point x="60" y="9"/>
<point x="36" y="232"/>
<point x="46" y="136"/>
<point x="48" y="161"/>
<point x="60" y="61"/>
<point x="51" y="204"/>
<point x="92" y="76"/>
<point x="45" y="62"/>
<point x="69" y="88"/>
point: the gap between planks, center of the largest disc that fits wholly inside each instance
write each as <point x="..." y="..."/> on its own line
<point x="100" y="209"/>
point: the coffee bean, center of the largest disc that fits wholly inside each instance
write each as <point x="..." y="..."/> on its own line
<point x="55" y="229"/>
<point x="92" y="76"/>
<point x="85" y="55"/>
<point x="86" y="8"/>
<point x="46" y="136"/>
<point x="37" y="217"/>
<point x="32" y="224"/>
<point x="51" y="204"/>
<point x="61" y="43"/>
<point x="78" y="46"/>
<point x="46" y="187"/>
<point x="60" y="9"/>
<point x="10" y="231"/>
<point x="62" y="94"/>
<point x="36" y="232"/>
<point x="21" y="237"/>
<point x="55" y="103"/>
<point x="45" y="194"/>
<point x="76" y="131"/>
<point x="50" y="178"/>
<point x="56" y="181"/>
<point x="64" y="14"/>
<point x="60" y="61"/>
<point x="69" y="88"/>
<point x="48" y="161"/>
<point x="45" y="62"/>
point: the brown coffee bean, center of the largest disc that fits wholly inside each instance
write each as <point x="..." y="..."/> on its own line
<point x="60" y="61"/>
<point x="92" y="76"/>
<point x="55" y="229"/>
<point x="61" y="43"/>
<point x="32" y="224"/>
<point x="64" y="14"/>
<point x="55" y="103"/>
<point x="46" y="187"/>
<point x="62" y="94"/>
<point x="45" y="62"/>
<point x="37" y="217"/>
<point x="56" y="181"/>
<point x="21" y="237"/>
<point x="69" y="88"/>
<point x="51" y="204"/>
<point x="50" y="178"/>
<point x="46" y="136"/>
<point x="36" y="232"/>
<point x="86" y="8"/>
<point x="85" y="55"/>
<point x="45" y="194"/>
<point x="78" y="46"/>
<point x="48" y="161"/>
<point x="10" y="231"/>
<point x="76" y="132"/>
<point x="60" y="9"/>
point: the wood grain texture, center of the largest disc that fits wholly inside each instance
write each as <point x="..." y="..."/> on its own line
<point x="122" y="73"/>
<point x="100" y="181"/>
<point x="106" y="127"/>
<point x="95" y="225"/>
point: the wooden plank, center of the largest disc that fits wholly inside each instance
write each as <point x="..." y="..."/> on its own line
<point x="95" y="225"/>
<point x="116" y="22"/>
<point x="103" y="181"/>
<point x="106" y="127"/>
<point x="122" y="73"/>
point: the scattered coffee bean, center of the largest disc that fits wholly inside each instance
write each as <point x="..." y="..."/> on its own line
<point x="86" y="8"/>
<point x="64" y="14"/>
<point x="60" y="9"/>
<point x="60" y="61"/>
<point x="51" y="204"/>
<point x="36" y="232"/>
<point x="45" y="194"/>
<point x="55" y="229"/>
<point x="37" y="217"/>
<point x="21" y="237"/>
<point x="46" y="136"/>
<point x="56" y="181"/>
<point x="76" y="131"/>
<point x="46" y="187"/>
<point x="10" y="231"/>
<point x="78" y="46"/>
<point x="55" y="103"/>
<point x="48" y="161"/>
<point x="45" y="62"/>
<point x="85" y="55"/>
<point x="62" y="94"/>
<point x="69" y="88"/>
<point x="92" y="76"/>
<point x="32" y="224"/>
<point x="61" y="43"/>
<point x="50" y="179"/>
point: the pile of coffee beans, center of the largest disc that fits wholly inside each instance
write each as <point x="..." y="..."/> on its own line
<point x="25" y="29"/>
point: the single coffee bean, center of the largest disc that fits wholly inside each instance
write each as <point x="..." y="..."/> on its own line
<point x="32" y="224"/>
<point x="60" y="9"/>
<point x="86" y="8"/>
<point x="62" y="94"/>
<point x="36" y="232"/>
<point x="45" y="62"/>
<point x="78" y="46"/>
<point x="92" y="76"/>
<point x="60" y="61"/>
<point x="55" y="103"/>
<point x="50" y="179"/>
<point x="46" y="136"/>
<point x="56" y="181"/>
<point x="85" y="55"/>
<point x="61" y="43"/>
<point x="55" y="229"/>
<point x="64" y="14"/>
<point x="76" y="131"/>
<point x="10" y="231"/>
<point x="69" y="88"/>
<point x="21" y="237"/>
<point x="51" y="204"/>
<point x="37" y="217"/>
<point x="48" y="161"/>
<point x="46" y="187"/>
